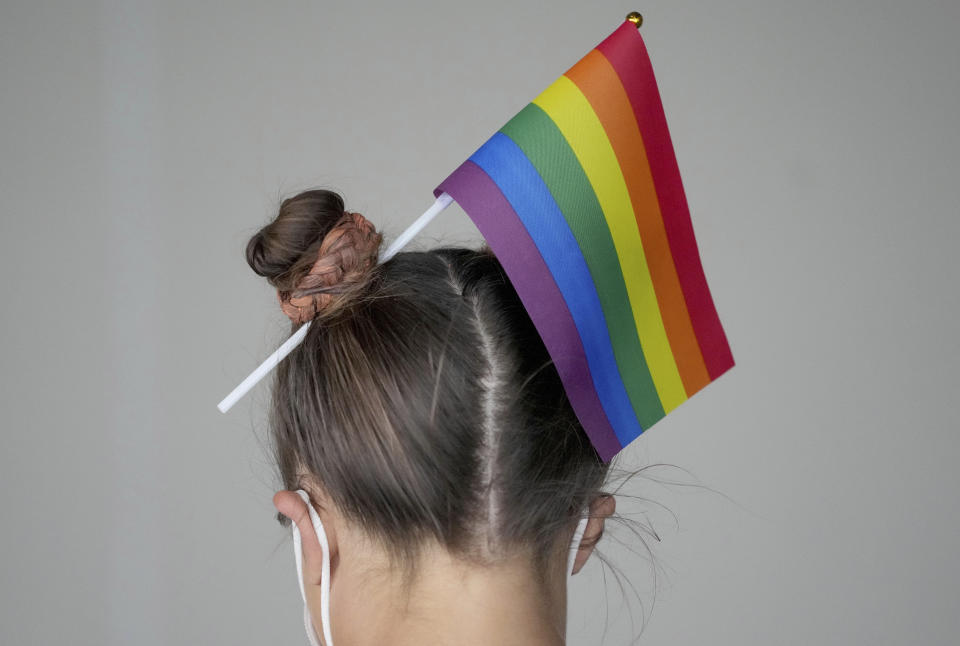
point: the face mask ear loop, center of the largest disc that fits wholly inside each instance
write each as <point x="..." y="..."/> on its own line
<point x="324" y="575"/>
<point x="575" y="544"/>
<point x="574" y="549"/>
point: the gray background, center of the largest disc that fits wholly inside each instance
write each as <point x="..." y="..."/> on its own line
<point x="143" y="142"/>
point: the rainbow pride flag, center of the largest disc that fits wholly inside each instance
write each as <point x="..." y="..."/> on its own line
<point x="579" y="196"/>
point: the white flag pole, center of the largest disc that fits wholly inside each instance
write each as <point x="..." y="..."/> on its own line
<point x="440" y="204"/>
<point x="287" y="347"/>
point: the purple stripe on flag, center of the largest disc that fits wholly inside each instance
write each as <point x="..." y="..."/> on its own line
<point x="503" y="230"/>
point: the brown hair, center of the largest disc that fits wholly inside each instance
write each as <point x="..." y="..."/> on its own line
<point x="423" y="401"/>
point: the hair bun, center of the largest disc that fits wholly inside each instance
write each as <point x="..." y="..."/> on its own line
<point x="314" y="253"/>
<point x="345" y="256"/>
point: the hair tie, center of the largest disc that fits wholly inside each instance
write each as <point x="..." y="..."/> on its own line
<point x="347" y="252"/>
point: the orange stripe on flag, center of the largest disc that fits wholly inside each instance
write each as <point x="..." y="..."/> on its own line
<point x="599" y="82"/>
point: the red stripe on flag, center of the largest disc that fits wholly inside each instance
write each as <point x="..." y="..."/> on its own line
<point x="626" y="51"/>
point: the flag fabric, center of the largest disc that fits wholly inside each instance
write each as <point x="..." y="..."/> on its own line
<point x="579" y="195"/>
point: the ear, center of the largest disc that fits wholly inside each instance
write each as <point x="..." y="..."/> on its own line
<point x="600" y="508"/>
<point x="291" y="505"/>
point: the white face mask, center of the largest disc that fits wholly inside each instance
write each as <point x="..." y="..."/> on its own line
<point x="325" y="570"/>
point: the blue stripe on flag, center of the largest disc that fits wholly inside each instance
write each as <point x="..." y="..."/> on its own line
<point x="521" y="184"/>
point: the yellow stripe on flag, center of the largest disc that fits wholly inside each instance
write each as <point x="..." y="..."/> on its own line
<point x="571" y="111"/>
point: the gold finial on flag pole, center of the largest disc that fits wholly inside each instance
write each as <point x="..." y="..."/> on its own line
<point x="635" y="18"/>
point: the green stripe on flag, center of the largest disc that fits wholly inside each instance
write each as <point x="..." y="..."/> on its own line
<point x="537" y="135"/>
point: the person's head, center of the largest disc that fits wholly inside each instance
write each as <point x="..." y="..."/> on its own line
<point x="421" y="411"/>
